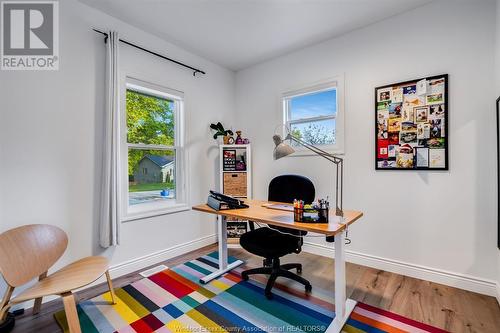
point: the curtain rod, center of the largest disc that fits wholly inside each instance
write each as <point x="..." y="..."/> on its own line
<point x="195" y="70"/>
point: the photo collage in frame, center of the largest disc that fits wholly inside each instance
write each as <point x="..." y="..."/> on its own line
<point x="411" y="120"/>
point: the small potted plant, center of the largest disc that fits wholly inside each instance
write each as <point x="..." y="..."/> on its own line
<point x="220" y="131"/>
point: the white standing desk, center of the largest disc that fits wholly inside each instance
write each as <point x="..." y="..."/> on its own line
<point x="336" y="228"/>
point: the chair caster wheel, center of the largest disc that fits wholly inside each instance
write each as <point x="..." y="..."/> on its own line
<point x="8" y="324"/>
<point x="244" y="277"/>
<point x="299" y="270"/>
<point x="309" y="288"/>
<point x="269" y="295"/>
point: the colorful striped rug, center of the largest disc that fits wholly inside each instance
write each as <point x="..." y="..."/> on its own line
<point x="175" y="301"/>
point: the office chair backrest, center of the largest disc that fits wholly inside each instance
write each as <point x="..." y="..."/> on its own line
<point x="27" y="252"/>
<point x="286" y="188"/>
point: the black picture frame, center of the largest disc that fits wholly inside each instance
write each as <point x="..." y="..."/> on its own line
<point x="446" y="128"/>
<point x="498" y="169"/>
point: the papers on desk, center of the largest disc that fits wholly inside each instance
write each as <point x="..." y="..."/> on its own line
<point x="288" y="208"/>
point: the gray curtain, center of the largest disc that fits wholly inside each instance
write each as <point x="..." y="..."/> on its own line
<point x="110" y="195"/>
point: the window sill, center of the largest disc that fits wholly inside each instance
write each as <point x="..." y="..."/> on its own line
<point x="147" y="213"/>
<point x="301" y="151"/>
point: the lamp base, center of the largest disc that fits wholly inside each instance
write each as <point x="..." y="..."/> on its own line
<point x="339" y="212"/>
<point x="8" y="324"/>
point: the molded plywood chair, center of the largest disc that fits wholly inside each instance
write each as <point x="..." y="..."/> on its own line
<point x="28" y="252"/>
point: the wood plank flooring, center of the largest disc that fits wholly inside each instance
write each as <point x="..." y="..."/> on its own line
<point x="452" y="309"/>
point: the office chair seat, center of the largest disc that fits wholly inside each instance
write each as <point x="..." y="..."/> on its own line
<point x="269" y="243"/>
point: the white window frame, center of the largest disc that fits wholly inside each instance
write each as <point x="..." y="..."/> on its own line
<point x="325" y="85"/>
<point x="151" y="209"/>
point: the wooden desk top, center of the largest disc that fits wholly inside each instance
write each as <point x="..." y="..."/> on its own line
<point x="256" y="212"/>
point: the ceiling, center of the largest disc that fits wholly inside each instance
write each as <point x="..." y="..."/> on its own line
<point x="240" y="33"/>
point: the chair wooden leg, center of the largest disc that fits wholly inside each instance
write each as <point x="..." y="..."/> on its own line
<point x="111" y="290"/>
<point x="71" y="312"/>
<point x="38" y="301"/>
<point x="37" y="306"/>
<point x="4" y="304"/>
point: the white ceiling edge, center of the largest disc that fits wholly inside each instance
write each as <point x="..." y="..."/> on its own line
<point x="313" y="43"/>
<point x="266" y="56"/>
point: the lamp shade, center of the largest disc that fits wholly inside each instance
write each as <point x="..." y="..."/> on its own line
<point x="282" y="149"/>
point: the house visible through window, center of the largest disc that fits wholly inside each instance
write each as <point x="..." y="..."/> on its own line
<point x="313" y="115"/>
<point x="154" y="147"/>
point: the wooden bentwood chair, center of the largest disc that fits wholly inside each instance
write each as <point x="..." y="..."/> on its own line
<point x="28" y="252"/>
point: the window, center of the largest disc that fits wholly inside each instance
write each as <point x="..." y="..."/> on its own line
<point x="314" y="114"/>
<point x="154" y="149"/>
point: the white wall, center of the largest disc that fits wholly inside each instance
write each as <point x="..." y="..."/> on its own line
<point x="50" y="137"/>
<point x="497" y="91"/>
<point x="445" y="221"/>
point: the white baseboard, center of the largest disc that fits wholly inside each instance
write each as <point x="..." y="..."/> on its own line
<point x="498" y="292"/>
<point x="462" y="281"/>
<point x="139" y="263"/>
<point x="156" y="257"/>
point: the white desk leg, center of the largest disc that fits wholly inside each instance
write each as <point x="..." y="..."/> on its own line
<point x="223" y="264"/>
<point x="343" y="305"/>
<point x="221" y="231"/>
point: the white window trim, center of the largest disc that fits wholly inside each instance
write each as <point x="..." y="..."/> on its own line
<point x="336" y="82"/>
<point x="182" y="200"/>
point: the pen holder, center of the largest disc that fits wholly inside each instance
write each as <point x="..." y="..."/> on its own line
<point x="314" y="215"/>
<point x="322" y="215"/>
<point x="298" y="214"/>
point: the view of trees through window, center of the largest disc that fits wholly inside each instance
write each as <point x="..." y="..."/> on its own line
<point x="315" y="133"/>
<point x="311" y="117"/>
<point x="151" y="172"/>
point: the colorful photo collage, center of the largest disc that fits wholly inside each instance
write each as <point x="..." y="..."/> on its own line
<point x="411" y="120"/>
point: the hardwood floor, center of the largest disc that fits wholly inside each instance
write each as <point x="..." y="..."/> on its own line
<point x="452" y="309"/>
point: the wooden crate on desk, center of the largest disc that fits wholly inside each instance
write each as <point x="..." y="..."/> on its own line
<point x="235" y="184"/>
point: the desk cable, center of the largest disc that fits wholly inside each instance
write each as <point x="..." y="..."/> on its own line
<point x="347" y="240"/>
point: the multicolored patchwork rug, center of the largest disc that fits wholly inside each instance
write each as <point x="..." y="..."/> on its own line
<point x="175" y="301"/>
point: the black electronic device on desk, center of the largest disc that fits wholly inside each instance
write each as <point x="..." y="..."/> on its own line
<point x="219" y="201"/>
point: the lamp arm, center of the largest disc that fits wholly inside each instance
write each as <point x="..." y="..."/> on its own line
<point x="332" y="158"/>
<point x="339" y="162"/>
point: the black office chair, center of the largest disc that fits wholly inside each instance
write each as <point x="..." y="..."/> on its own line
<point x="273" y="242"/>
